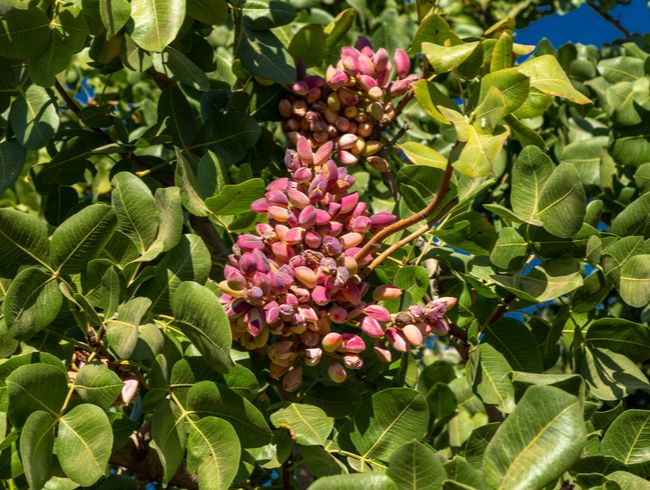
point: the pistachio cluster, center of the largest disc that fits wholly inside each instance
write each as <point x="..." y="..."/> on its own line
<point x="351" y="105"/>
<point x="295" y="283"/>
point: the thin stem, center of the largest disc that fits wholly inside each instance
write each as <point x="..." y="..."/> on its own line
<point x="608" y="17"/>
<point x="409" y="238"/>
<point x="356" y="456"/>
<point x="411" y="220"/>
<point x="74" y="107"/>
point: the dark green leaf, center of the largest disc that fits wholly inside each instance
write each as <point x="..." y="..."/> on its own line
<point x="81" y="238"/>
<point x="308" y="425"/>
<point x="156" y="22"/>
<point x="391" y="418"/>
<point x="12" y="159"/>
<point x="32" y="302"/>
<point x="83" y="444"/>
<point x="36" y="443"/>
<point x="539" y="441"/>
<point x="209" y="399"/>
<point x="263" y="55"/>
<point x="35" y="387"/>
<point x="213" y="452"/>
<point x="200" y="316"/>
<point x="237" y="198"/>
<point x="97" y="384"/>
<point x="415" y="466"/>
<point x="34" y="117"/>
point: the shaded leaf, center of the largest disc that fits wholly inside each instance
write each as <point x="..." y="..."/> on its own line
<point x="540" y="440"/>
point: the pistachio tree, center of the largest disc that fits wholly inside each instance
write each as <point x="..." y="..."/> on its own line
<point x="267" y="244"/>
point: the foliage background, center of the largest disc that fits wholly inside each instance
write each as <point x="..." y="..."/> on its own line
<point x="118" y="171"/>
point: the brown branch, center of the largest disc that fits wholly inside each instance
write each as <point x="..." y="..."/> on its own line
<point x="411" y="220"/>
<point x="74" y="107"/>
<point x="608" y="17"/>
<point x="409" y="238"/>
<point x="138" y="458"/>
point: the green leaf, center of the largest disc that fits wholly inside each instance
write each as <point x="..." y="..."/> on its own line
<point x="447" y="58"/>
<point x="635" y="281"/>
<point x="628" y="438"/>
<point x="34" y="117"/>
<point x="35" y="387"/>
<point x="137" y="214"/>
<point x="308" y="45"/>
<point x="415" y="466"/>
<point x="188" y="261"/>
<point x="122" y="332"/>
<point x="490" y="111"/>
<point x="83" y="444"/>
<point x="236" y="198"/>
<point x="230" y="136"/>
<point x="213" y="452"/>
<point x="622" y="336"/>
<point x="183" y="69"/>
<point x="517" y="344"/>
<point x="210" y="12"/>
<point x="168" y="204"/>
<point x="478" y="442"/>
<point x="628" y="481"/>
<point x="336" y="31"/>
<point x="169" y="437"/>
<point x="547" y="76"/>
<point x="540" y="440"/>
<point x="523" y="133"/>
<point x="491" y="382"/>
<point x="509" y="249"/>
<point x="81" y="238"/>
<point x="97" y="384"/>
<point x="24" y="33"/>
<point x="180" y="120"/>
<point x="512" y="85"/>
<point x="621" y="69"/>
<point x="433" y="29"/>
<point x="32" y="302"/>
<point x="462" y="475"/>
<point x="23" y="241"/>
<point x="562" y="202"/>
<point x="200" y="316"/>
<point x="571" y="383"/>
<point x="156" y="22"/>
<point x="586" y="157"/>
<point x="263" y="55"/>
<point x="431" y="98"/>
<point x="12" y="159"/>
<point x="479" y="153"/>
<point x="308" y="425"/>
<point x="210" y="399"/>
<point x="266" y="14"/>
<point x="501" y="58"/>
<point x="391" y="418"/>
<point x="421" y="154"/>
<point x="187" y="182"/>
<point x="609" y="375"/>
<point x="615" y="255"/>
<point x="114" y="14"/>
<point x="634" y="219"/>
<point x="551" y="280"/>
<point x="36" y="443"/>
<point x="367" y="481"/>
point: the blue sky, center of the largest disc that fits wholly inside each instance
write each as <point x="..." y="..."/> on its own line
<point x="585" y="26"/>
